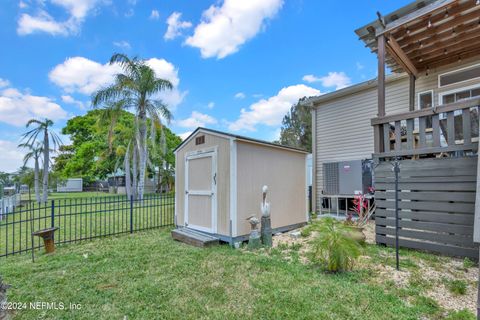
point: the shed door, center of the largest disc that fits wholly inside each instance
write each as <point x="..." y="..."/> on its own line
<point x="200" y="191"/>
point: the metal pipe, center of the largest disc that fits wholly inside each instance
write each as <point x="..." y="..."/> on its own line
<point x="396" y="169"/>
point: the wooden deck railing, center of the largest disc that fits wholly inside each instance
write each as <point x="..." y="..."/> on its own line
<point x="442" y="129"/>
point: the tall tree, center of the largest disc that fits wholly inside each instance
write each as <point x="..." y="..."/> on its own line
<point x="45" y="128"/>
<point x="296" y="130"/>
<point x="35" y="152"/>
<point x="91" y="156"/>
<point x="136" y="89"/>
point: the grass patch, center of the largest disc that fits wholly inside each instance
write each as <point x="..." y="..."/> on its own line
<point x="149" y="276"/>
<point x="460" y="315"/>
<point x="467" y="263"/>
<point x="458" y="287"/>
<point x="83" y="217"/>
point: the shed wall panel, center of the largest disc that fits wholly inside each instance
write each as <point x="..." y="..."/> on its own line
<point x="283" y="172"/>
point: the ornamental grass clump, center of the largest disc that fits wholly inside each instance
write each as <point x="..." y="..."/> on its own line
<point x="333" y="249"/>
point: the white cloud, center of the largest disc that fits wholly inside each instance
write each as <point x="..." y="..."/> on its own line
<point x="185" y="135"/>
<point x="42" y="21"/>
<point x="22" y="5"/>
<point x="240" y="95"/>
<point x="11" y="158"/>
<point x="17" y="107"/>
<point x="270" y="111"/>
<point x="155" y="15"/>
<point x="81" y="75"/>
<point x="175" y="26"/>
<point x="225" y="28"/>
<point x="338" y="80"/>
<point x="4" y="83"/>
<point x="122" y="44"/>
<point x="360" y="66"/>
<point x="211" y="105"/>
<point x="196" y="120"/>
<point x="71" y="100"/>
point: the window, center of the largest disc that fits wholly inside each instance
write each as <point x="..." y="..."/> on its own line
<point x="425" y="100"/>
<point x="461" y="94"/>
<point x="199" y="140"/>
<point x="459" y="76"/>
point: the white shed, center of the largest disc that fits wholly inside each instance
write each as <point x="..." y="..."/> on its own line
<point x="219" y="178"/>
<point x="70" y="185"/>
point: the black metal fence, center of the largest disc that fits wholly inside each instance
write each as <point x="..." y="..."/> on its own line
<point x="80" y="219"/>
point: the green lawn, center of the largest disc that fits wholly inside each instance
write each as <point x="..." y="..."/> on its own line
<point x="82" y="216"/>
<point x="147" y="275"/>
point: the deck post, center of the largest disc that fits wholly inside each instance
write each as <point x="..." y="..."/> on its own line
<point x="378" y="129"/>
<point x="411" y="93"/>
<point x="381" y="75"/>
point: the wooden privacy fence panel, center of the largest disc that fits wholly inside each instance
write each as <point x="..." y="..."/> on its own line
<point x="436" y="205"/>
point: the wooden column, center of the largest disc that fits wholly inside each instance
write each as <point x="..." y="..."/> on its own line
<point x="411" y="93"/>
<point x="378" y="129"/>
<point x="381" y="75"/>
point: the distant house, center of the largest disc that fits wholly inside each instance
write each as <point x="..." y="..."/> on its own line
<point x="425" y="113"/>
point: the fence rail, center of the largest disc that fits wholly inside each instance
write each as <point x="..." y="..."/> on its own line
<point x="82" y="219"/>
<point x="446" y="128"/>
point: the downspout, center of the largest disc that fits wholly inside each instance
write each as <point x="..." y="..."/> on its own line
<point x="314" y="158"/>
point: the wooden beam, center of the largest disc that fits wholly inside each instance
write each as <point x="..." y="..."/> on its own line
<point x="429" y="32"/>
<point x="461" y="32"/>
<point x="381" y="75"/>
<point x="452" y="56"/>
<point x="473" y="102"/>
<point x="400" y="56"/>
<point x="411" y="93"/>
<point x="440" y="48"/>
<point x="436" y="17"/>
<point x="450" y="59"/>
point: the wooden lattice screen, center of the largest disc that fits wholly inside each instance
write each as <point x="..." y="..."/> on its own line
<point x="437" y="205"/>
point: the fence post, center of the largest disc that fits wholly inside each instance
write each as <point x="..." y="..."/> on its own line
<point x="131" y="214"/>
<point x="53" y="213"/>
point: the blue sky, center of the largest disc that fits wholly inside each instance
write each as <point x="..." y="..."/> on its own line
<point x="236" y="65"/>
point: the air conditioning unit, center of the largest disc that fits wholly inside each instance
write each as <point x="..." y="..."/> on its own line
<point x="348" y="177"/>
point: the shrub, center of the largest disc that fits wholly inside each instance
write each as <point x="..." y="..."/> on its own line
<point x="467" y="263"/>
<point x="333" y="249"/>
<point x="458" y="287"/>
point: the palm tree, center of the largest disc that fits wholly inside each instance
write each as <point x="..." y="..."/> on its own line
<point x="35" y="153"/>
<point x="135" y="89"/>
<point x="48" y="134"/>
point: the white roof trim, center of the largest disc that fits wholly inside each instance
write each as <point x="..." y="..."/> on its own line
<point x="316" y="101"/>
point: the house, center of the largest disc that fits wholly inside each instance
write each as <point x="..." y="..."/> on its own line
<point x="424" y="114"/>
<point x="219" y="179"/>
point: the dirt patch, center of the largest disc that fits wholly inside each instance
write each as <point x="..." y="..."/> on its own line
<point x="433" y="274"/>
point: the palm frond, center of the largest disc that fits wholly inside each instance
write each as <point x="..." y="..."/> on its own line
<point x="113" y="92"/>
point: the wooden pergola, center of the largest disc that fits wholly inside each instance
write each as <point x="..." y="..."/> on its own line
<point x="422" y="36"/>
